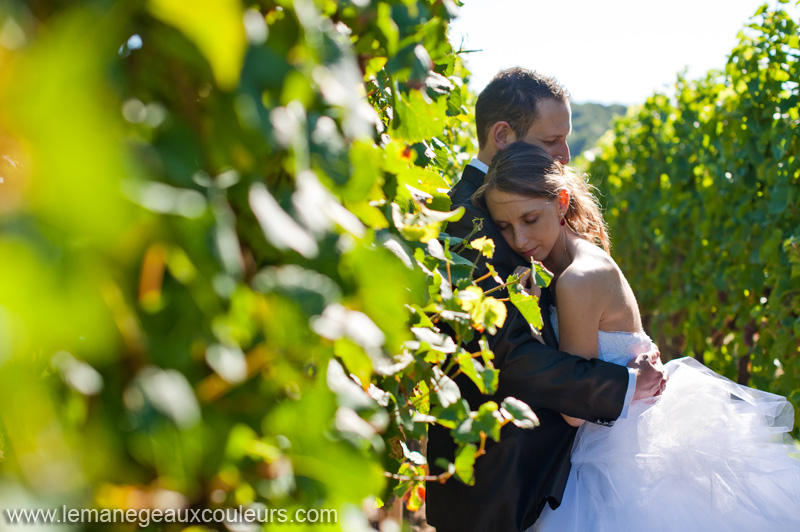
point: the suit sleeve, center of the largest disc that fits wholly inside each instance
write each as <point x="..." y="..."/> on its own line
<point x="545" y="377"/>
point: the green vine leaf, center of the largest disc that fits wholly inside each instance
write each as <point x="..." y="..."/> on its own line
<point x="485" y="245"/>
<point x="465" y="464"/>
<point x="520" y="413"/>
<point x="527" y="304"/>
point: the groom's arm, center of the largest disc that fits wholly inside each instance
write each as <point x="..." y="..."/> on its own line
<point x="545" y="377"/>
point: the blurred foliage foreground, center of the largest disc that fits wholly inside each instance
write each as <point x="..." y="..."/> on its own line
<point x="221" y="272"/>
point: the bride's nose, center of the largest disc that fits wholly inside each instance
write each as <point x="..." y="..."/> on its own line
<point x="521" y="241"/>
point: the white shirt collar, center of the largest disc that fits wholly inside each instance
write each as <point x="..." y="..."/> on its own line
<point x="480" y="165"/>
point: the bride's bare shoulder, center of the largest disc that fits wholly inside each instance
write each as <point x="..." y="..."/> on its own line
<point x="594" y="286"/>
<point x="590" y="264"/>
<point x="592" y="279"/>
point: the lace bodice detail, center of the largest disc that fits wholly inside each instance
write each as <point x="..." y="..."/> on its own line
<point x="615" y="347"/>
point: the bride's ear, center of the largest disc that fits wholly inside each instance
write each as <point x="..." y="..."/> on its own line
<point x="563" y="202"/>
<point x="502" y="135"/>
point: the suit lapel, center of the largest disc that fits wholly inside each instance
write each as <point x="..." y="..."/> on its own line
<point x="548" y="334"/>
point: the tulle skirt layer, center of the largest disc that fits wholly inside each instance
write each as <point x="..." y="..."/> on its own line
<point x="708" y="455"/>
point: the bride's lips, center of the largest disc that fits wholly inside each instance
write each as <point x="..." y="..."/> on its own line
<point x="528" y="254"/>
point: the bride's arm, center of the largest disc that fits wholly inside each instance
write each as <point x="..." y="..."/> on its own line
<point x="581" y="298"/>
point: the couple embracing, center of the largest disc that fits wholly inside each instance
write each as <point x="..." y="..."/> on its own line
<point x="619" y="446"/>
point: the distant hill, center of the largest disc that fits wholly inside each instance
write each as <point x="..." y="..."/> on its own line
<point x="589" y="122"/>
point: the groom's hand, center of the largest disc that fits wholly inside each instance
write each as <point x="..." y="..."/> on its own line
<point x="651" y="377"/>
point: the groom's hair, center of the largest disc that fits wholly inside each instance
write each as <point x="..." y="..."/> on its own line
<point x="512" y="96"/>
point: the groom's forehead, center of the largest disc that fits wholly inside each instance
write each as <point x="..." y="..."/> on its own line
<point x="553" y="115"/>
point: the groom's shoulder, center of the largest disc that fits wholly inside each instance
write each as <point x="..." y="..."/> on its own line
<point x="473" y="216"/>
<point x="461" y="193"/>
<point x="471" y="180"/>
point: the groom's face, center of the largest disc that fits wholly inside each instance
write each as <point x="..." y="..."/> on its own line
<point x="550" y="129"/>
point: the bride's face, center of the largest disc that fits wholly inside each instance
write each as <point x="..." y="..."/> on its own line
<point x="531" y="226"/>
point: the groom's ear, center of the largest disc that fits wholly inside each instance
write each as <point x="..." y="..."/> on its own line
<point x="502" y="135"/>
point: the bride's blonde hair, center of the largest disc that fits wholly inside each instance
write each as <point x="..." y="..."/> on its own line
<point x="527" y="170"/>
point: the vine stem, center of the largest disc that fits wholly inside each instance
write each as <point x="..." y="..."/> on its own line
<point x="477" y="225"/>
<point x="483" y="277"/>
<point x="441" y="477"/>
<point x="482" y="449"/>
<point x="499" y="287"/>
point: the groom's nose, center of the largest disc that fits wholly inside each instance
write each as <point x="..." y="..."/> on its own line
<point x="560" y="152"/>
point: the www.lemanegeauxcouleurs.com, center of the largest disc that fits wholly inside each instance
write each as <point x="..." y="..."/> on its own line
<point x="145" y="517"/>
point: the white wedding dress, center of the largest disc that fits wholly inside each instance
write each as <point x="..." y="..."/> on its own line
<point x="708" y="455"/>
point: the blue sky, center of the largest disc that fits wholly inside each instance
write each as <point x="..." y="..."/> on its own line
<point x="613" y="51"/>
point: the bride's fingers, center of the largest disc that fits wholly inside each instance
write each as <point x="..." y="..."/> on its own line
<point x="527" y="279"/>
<point x="522" y="271"/>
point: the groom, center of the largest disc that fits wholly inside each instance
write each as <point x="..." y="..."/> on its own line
<point x="527" y="468"/>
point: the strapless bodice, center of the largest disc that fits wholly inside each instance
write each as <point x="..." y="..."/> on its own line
<point x="617" y="347"/>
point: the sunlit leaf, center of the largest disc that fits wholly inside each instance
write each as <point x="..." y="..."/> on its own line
<point x="228" y="362"/>
<point x="485" y="379"/>
<point x="488" y="420"/>
<point x="419" y="119"/>
<point x="465" y="461"/>
<point x="521" y="414"/>
<point x="528" y="305"/>
<point x="485" y="245"/>
<point x="169" y="392"/>
<point x="543" y="276"/>
<point x="215" y="26"/>
<point x="279" y="228"/>
<point x="446" y="390"/>
<point x="347" y="391"/>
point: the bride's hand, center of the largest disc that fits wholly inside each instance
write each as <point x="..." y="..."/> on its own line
<point x="526" y="280"/>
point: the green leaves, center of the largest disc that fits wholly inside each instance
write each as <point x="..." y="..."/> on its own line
<point x="216" y="27"/>
<point x="231" y="250"/>
<point x="484" y="378"/>
<point x="447" y="391"/>
<point x="464" y="464"/>
<point x="279" y="228"/>
<point x="484" y="245"/>
<point x="528" y="305"/>
<point x="418" y="119"/>
<point x="487" y="313"/>
<point x="521" y="414"/>
<point x="542" y="276"/>
<point x="701" y="193"/>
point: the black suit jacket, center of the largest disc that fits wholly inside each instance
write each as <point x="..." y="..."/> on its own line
<point x="527" y="468"/>
<point x="471" y="181"/>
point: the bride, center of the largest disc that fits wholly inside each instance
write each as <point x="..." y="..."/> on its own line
<point x="707" y="454"/>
